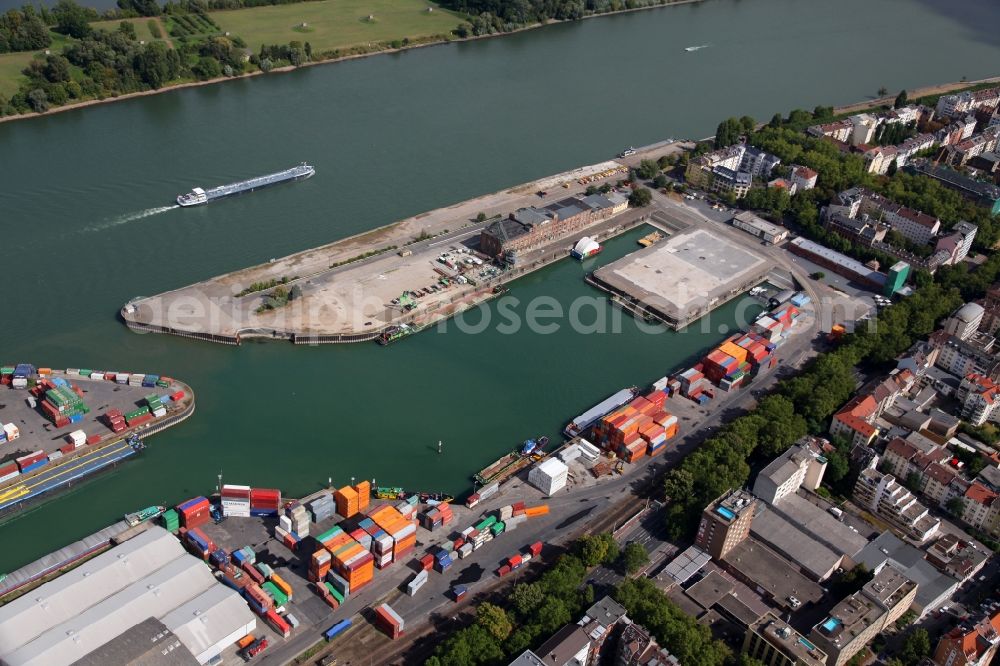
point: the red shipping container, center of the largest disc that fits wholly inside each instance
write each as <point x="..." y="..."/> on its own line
<point x="93" y="439"/>
<point x="278" y="623"/>
<point x="68" y="449"/>
<point x="139" y="420"/>
<point x="289" y="541"/>
<point x="536" y="549"/>
<point x="427" y="562"/>
<point x="514" y="561"/>
<point x="177" y="397"/>
<point x="10" y="469"/>
<point x="518" y="506"/>
<point x="62" y="422"/>
<point x="504" y="570"/>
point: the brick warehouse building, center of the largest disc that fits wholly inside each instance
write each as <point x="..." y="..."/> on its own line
<point x="528" y="228"/>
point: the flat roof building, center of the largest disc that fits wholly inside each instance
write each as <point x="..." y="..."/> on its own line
<point x="759" y="227"/>
<point x="726" y="522"/>
<point x="837" y="262"/>
<point x="773" y="642"/>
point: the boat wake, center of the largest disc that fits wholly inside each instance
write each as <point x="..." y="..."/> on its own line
<point x="131" y="217"/>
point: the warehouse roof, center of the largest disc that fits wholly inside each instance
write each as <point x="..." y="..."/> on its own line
<point x="799" y="547"/>
<point x="68" y="595"/>
<point x="148" y="643"/>
<point x="839" y="259"/>
<point x="205" y="621"/>
<point x="152" y="596"/>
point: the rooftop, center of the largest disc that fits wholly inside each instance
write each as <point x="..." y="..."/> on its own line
<point x="845" y="262"/>
<point x="795" y="544"/>
<point x="792" y="643"/>
<point x="932" y="585"/>
<point x="772" y="573"/>
<point x="148" y="643"/>
<point x="684" y="566"/>
<point x="563" y="646"/>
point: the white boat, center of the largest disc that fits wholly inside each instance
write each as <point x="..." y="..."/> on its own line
<point x="628" y="152"/>
<point x="696" y="48"/>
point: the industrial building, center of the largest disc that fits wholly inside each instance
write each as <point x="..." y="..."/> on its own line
<point x="681" y="279"/>
<point x="528" y="228"/>
<point x="87" y="608"/>
<point x="838" y="263"/>
<point x="760" y="228"/>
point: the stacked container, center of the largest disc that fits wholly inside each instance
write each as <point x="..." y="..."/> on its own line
<point x="435" y="517"/>
<point x="389" y="621"/>
<point x="264" y="501"/>
<point x="8" y="472"/>
<point x="353" y="563"/>
<point x="155" y="405"/>
<point x="115" y="420"/>
<point x="381" y="542"/>
<point x="322" y="508"/>
<point x="364" y="491"/>
<point x="347" y="501"/>
<point x="171" y="520"/>
<point x="549" y="476"/>
<point x="416" y="582"/>
<point x="194" y="512"/>
<point x="77" y="438"/>
<point x="402" y="531"/>
<point x="692" y="381"/>
<point x="298" y="519"/>
<point x="198" y="543"/>
<point x="319" y="565"/>
<point x="32" y="461"/>
<point x="258" y="600"/>
<point x="236" y="501"/>
<point x="282" y="585"/>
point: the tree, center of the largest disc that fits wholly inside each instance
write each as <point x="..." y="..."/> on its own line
<point x="127" y="28"/>
<point x="916" y="646"/>
<point x="660" y="182"/>
<point x="526" y="598"/>
<point x="71" y="19"/>
<point x="594" y="549"/>
<point x="494" y="620"/>
<point x="728" y="132"/>
<point x="747" y="124"/>
<point x="634" y="557"/>
<point x="640" y="197"/>
<point x="481" y="217"/>
<point x="905" y="620"/>
<point x="647" y="169"/>
<point x="775" y="121"/>
<point x="901" y="100"/>
<point x="38" y="100"/>
<point x="883" y="91"/>
<point x="818" y="275"/>
<point x="955" y="506"/>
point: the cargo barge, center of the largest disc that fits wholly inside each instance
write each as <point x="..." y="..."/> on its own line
<point x="507" y="466"/>
<point x="589" y="417"/>
<point x="199" y="196"/>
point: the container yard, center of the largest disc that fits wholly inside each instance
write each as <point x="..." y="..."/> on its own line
<point x="683" y="278"/>
<point x="59" y="426"/>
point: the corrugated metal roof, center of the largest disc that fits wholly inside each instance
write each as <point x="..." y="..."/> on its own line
<point x="180" y="580"/>
<point x="68" y="595"/>
<point x="212" y="616"/>
<point x="148" y="643"/>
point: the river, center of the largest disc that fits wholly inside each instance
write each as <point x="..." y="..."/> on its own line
<point x="85" y="227"/>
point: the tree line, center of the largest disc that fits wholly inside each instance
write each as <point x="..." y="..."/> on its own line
<point x="23" y="30"/>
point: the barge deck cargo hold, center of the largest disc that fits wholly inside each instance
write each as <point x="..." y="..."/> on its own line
<point x="589" y="417"/>
<point x="199" y="196"/>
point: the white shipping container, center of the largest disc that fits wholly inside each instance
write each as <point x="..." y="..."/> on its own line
<point x="160" y="412"/>
<point x="235" y="513"/>
<point x="280" y="532"/>
<point x="13" y="432"/>
<point x="549" y="476"/>
<point x="489" y="491"/>
<point x="75" y="372"/>
<point x="121" y="378"/>
<point x="9" y="476"/>
<point x="506" y="512"/>
<point x="285" y="522"/>
<point x="55" y="455"/>
<point x="99" y="376"/>
<point x="19" y="383"/>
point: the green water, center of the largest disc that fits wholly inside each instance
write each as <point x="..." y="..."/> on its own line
<point x="390" y="137"/>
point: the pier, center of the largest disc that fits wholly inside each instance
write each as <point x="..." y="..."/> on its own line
<point x="350" y="290"/>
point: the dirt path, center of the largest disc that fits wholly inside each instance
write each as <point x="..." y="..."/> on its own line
<point x="913" y="94"/>
<point x="163" y="30"/>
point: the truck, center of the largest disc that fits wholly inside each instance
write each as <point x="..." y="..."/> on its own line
<point x="839" y="513"/>
<point x="255" y="648"/>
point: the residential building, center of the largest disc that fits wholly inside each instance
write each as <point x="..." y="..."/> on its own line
<point x="863" y="229"/>
<point x="773" y="642"/>
<point x="803" y="178"/>
<point x="965" y="321"/>
<point x="725" y="523"/>
<point x="637" y="647"/>
<point x="912" y="146"/>
<point x="699" y="169"/>
<point x="982" y="192"/>
<point x="855" y="420"/>
<point x="600" y="622"/>
<point x="980" y="399"/>
<point x="958" y="558"/>
<point x="527" y="228"/>
<point x="879" y="159"/>
<point x="991" y="306"/>
<point x="934" y="587"/>
<point x="856" y="620"/>
<point x="784" y="184"/>
<point x="801" y="466"/>
<point x="863" y="129"/>
<point x="917" y="227"/>
<point x="839" y="131"/>
<point x="964" y="102"/>
<point x="958" y="242"/>
<point x="884" y="496"/>
<point x="570" y="646"/>
<point x="726" y="181"/>
<point x="760" y="228"/>
<point x="962" y="358"/>
<point x="970" y="644"/>
<point x="959" y="154"/>
<point x="981" y="509"/>
<point x="758" y="163"/>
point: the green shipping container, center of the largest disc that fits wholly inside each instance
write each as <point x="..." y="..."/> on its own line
<point x="497" y="528"/>
<point x="336" y="594"/>
<point x="162" y="384"/>
<point x="488" y="522"/>
<point x="6" y="370"/>
<point x="272" y="590"/>
<point x="171" y="521"/>
<point x="86" y="373"/>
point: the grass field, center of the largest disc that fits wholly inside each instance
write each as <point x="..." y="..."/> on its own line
<point x="11" y="65"/>
<point x="333" y="24"/>
<point x="141" y="27"/>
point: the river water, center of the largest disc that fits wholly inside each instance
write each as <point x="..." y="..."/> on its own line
<point x="86" y="225"/>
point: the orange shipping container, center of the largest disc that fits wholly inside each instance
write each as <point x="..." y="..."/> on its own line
<point x="734" y="350"/>
<point x="533" y="511"/>
<point x="364" y="491"/>
<point x="347" y="501"/>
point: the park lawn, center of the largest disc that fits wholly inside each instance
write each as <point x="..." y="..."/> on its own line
<point x="11" y="65"/>
<point x="141" y="27"/>
<point x="333" y="24"/>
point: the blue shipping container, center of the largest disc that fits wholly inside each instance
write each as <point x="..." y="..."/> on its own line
<point x="239" y="556"/>
<point x="35" y="465"/>
<point x="263" y="512"/>
<point x="336" y="629"/>
<point x="190" y="503"/>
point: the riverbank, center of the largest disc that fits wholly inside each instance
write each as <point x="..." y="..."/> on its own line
<point x="380" y="48"/>
<point x="916" y="93"/>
